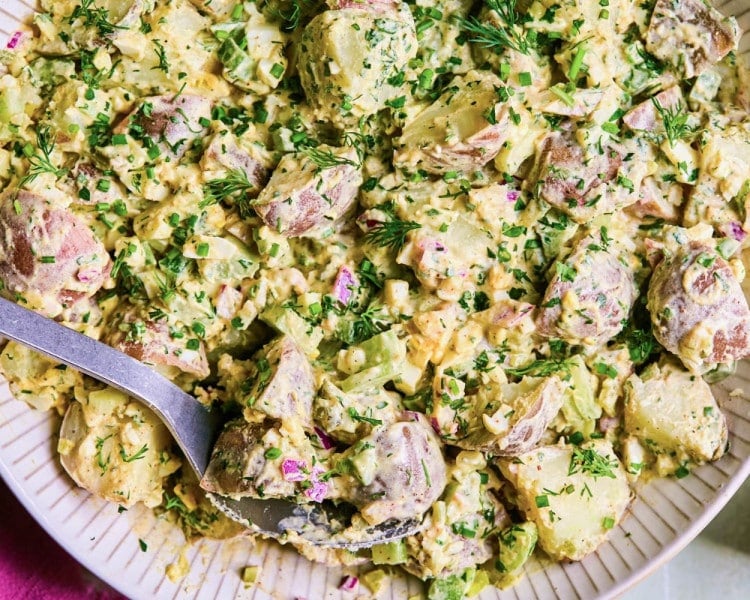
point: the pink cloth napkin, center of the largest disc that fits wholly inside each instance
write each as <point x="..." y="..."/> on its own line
<point x="34" y="567"/>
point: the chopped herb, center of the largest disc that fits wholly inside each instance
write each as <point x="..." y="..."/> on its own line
<point x="41" y="162"/>
<point x="161" y="54"/>
<point x="390" y="234"/>
<point x="675" y="121"/>
<point x="137" y="456"/>
<point x="510" y="34"/>
<point x="234" y="183"/>
<point x="588" y="460"/>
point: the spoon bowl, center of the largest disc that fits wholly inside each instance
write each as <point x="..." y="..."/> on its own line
<point x="195" y="429"/>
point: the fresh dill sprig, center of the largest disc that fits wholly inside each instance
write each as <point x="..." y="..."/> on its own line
<point x="161" y="54"/>
<point x="507" y="35"/>
<point x="236" y="182"/>
<point x="390" y="234"/>
<point x="368" y="323"/>
<point x="542" y="367"/>
<point x="291" y="15"/>
<point x="136" y="456"/>
<point x="588" y="460"/>
<point x="41" y="161"/>
<point x="675" y="121"/>
<point x="326" y="159"/>
<point x="94" y="17"/>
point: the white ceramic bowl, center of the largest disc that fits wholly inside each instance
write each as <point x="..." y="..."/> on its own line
<point x="664" y="517"/>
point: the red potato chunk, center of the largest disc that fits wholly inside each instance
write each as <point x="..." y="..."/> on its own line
<point x="658" y="199"/>
<point x="576" y="183"/>
<point x="238" y="466"/>
<point x="690" y="35"/>
<point x="151" y="342"/>
<point x="305" y="199"/>
<point x="698" y="309"/>
<point x="47" y="254"/>
<point x="645" y="116"/>
<point x="408" y="471"/>
<point x="223" y="153"/>
<point x="168" y="123"/>
<point x="284" y="384"/>
<point x="454" y="132"/>
<point x="94" y="187"/>
<point x="589" y="296"/>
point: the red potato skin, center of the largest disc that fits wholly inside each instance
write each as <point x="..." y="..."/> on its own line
<point x="645" y="115"/>
<point x="674" y="314"/>
<point x="31" y="228"/>
<point x="562" y="168"/>
<point x="173" y="124"/>
<point x="287" y="392"/>
<point x="601" y="281"/>
<point x="651" y="201"/>
<point x="407" y="451"/>
<point x="233" y="157"/>
<point x="313" y="207"/>
<point x="157" y="347"/>
<point x="715" y="40"/>
<point x="238" y="466"/>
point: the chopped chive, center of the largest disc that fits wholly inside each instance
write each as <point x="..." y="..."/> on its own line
<point x="277" y="70"/>
<point x="524" y="78"/>
<point x="577" y="62"/>
<point x="202" y="249"/>
<point x="47" y="259"/>
<point x="562" y="95"/>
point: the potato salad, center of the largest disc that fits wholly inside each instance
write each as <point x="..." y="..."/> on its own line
<point x="473" y="263"/>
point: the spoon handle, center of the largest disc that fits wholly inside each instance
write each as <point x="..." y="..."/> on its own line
<point x="193" y="427"/>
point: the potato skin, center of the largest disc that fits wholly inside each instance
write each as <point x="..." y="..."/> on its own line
<point x="698" y="309"/>
<point x="675" y="413"/>
<point x="454" y="132"/>
<point x="411" y="472"/>
<point x="303" y="199"/>
<point x="575" y="183"/>
<point x="171" y="124"/>
<point x="155" y="345"/>
<point x="48" y="253"/>
<point x="589" y="296"/>
<point x="284" y="385"/>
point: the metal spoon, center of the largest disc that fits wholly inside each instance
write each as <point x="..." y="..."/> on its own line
<point x="195" y="429"/>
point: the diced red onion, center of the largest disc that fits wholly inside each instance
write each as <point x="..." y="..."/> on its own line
<point x="88" y="275"/>
<point x="325" y="439"/>
<point x="292" y="469"/>
<point x="317" y="491"/>
<point x="512" y="195"/>
<point x="14" y="40"/>
<point x="370" y="219"/>
<point x="344" y="285"/>
<point x="349" y="583"/>
<point x="427" y="245"/>
<point x="411" y="415"/>
<point x="435" y="424"/>
<point x="734" y="230"/>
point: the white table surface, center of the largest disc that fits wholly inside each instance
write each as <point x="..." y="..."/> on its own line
<point x="714" y="566"/>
